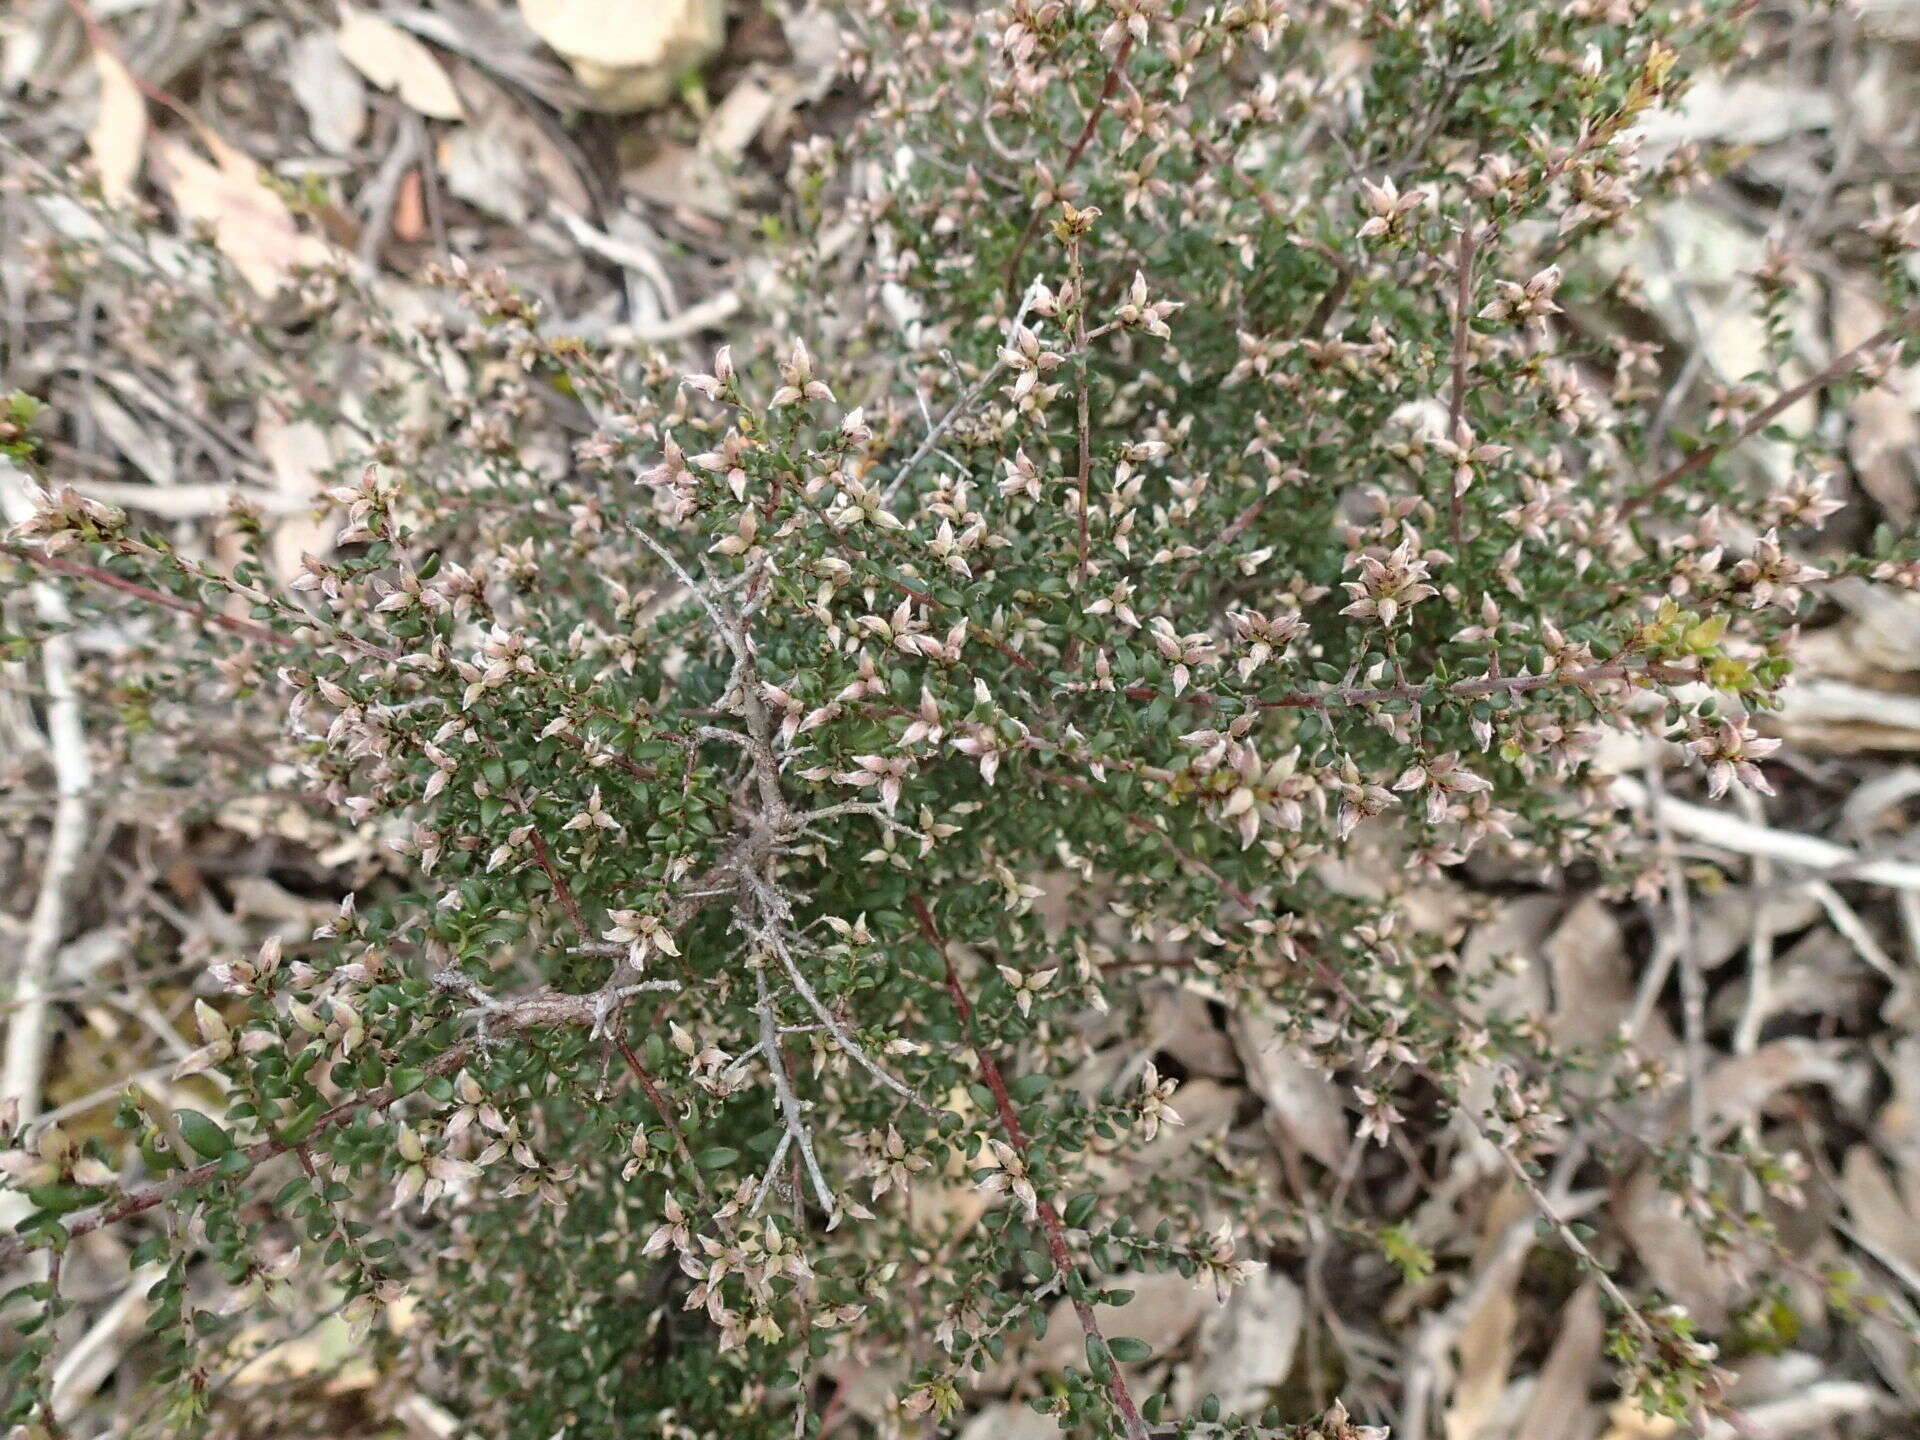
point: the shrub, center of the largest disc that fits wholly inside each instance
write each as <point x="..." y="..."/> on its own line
<point x="1172" y="466"/>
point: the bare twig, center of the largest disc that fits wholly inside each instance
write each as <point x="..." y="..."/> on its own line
<point x="790" y="1113"/>
<point x="955" y="411"/>
<point x="561" y="890"/>
<point x="1809" y="852"/>
<point x="1082" y="406"/>
<point x="26" y="1049"/>
<point x="777" y="913"/>
<point x="1759" y="1001"/>
<point x="1693" y="989"/>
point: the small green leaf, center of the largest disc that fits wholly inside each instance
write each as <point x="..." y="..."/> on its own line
<point x="1097" y="1361"/>
<point x="59" y="1199"/>
<point x="207" y="1138"/>
<point x="301" y="1125"/>
<point x="1128" y="1350"/>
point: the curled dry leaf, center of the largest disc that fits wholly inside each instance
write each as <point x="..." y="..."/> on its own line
<point x="394" y="60"/>
<point x="251" y="224"/>
<point x="118" y="138"/>
<point x="1845" y="719"/>
<point x="1881" y="633"/>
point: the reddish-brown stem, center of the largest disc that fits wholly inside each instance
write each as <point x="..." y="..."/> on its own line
<point x="1344" y="695"/>
<point x="252" y="629"/>
<point x="1842" y="365"/>
<point x="665" y="1111"/>
<point x="1050" y="1222"/>
<point x="616" y="759"/>
<point x="139" y="1201"/>
<point x="1457" y="400"/>
<point x="561" y="890"/>
<point x="1112" y="83"/>
<point x="79" y="570"/>
<point x="1083" y="406"/>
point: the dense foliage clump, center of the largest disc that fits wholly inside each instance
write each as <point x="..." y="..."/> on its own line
<point x="1177" y="474"/>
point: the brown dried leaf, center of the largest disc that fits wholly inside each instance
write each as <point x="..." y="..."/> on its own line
<point x="1486" y="1339"/>
<point x="735" y="121"/>
<point x="629" y="56"/>
<point x="1877" y="1207"/>
<point x="1882" y="429"/>
<point x="1180" y="1024"/>
<point x="251" y="224"/>
<point x="394" y="60"/>
<point x="1245" y="1347"/>
<point x="1558" y="1409"/>
<point x="1738" y="1089"/>
<point x="329" y="90"/>
<point x="1668" y="1244"/>
<point x="1301" y="1100"/>
<point x="299" y="452"/>
<point x="1007" y="1421"/>
<point x="1592" y="980"/>
<point x="683" y="178"/>
<point x="504" y="162"/>
<point x="1164" y="1310"/>
<point x="1205" y="1108"/>
<point x="118" y="138"/>
<point x="1723" y="922"/>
